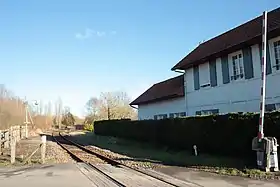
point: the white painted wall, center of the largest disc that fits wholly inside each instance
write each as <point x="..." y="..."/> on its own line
<point x="236" y="96"/>
<point x="148" y="111"/>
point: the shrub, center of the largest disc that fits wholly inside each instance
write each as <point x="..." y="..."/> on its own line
<point x="89" y="127"/>
<point x="227" y="135"/>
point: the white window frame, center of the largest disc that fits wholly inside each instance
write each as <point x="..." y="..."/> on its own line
<point x="240" y="74"/>
<point x="161" y="116"/>
<point x="177" y="115"/>
<point x="208" y="112"/>
<point x="277" y="106"/>
<point x="273" y="54"/>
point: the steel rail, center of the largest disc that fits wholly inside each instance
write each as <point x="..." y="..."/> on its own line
<point x="114" y="162"/>
<point x="89" y="164"/>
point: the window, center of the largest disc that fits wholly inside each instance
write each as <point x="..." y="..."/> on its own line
<point x="160" y="116"/>
<point x="276" y="46"/>
<point x="207" y="112"/>
<point x="177" y="115"/>
<point x="183" y="114"/>
<point x="237" y="67"/>
<point x="198" y="113"/>
<point x="272" y="107"/>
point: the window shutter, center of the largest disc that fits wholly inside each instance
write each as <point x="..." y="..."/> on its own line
<point x="225" y="69"/>
<point x="268" y="63"/>
<point x="196" y="77"/>
<point x="213" y="73"/>
<point x="248" y="63"/>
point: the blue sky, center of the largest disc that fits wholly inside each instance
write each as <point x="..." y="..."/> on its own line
<point x="77" y="49"/>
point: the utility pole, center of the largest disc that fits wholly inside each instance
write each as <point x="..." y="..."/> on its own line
<point x="26" y="118"/>
<point x="36" y="106"/>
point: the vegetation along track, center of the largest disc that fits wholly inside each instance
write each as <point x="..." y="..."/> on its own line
<point x="99" y="158"/>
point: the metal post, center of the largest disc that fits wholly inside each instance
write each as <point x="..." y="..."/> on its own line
<point x="13" y="149"/>
<point x="263" y="76"/>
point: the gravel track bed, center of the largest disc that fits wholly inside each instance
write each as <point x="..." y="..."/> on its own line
<point x="83" y="155"/>
<point x="56" y="154"/>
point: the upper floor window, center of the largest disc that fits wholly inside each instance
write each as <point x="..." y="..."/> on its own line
<point x="276" y="46"/>
<point x="237" y="67"/>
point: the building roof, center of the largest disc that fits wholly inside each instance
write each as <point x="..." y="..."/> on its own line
<point x="168" y="89"/>
<point x="248" y="33"/>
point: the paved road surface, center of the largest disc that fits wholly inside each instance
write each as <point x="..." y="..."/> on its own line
<point x="44" y="176"/>
<point x="205" y="179"/>
<point x="72" y="175"/>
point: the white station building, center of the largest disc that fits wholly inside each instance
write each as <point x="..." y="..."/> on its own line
<point x="221" y="75"/>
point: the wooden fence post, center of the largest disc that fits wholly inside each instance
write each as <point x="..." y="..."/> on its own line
<point x="18" y="133"/>
<point x="43" y="147"/>
<point x="1" y="139"/>
<point x="13" y="149"/>
<point x="6" y="138"/>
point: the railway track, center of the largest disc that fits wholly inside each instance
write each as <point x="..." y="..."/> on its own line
<point x="110" y="168"/>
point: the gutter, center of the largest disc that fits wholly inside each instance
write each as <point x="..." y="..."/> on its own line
<point x="133" y="107"/>
<point x="178" y="71"/>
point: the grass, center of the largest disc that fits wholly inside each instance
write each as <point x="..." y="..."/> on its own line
<point x="150" y="154"/>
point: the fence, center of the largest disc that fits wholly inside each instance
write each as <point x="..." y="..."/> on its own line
<point x="9" y="137"/>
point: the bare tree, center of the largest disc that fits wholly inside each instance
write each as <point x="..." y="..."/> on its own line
<point x="2" y="90"/>
<point x="41" y="107"/>
<point x="11" y="108"/>
<point x="110" y="105"/>
<point x="117" y="105"/>
<point x="58" y="108"/>
<point x="92" y="106"/>
<point x="49" y="110"/>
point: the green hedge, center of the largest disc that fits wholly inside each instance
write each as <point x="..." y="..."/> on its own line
<point x="229" y="135"/>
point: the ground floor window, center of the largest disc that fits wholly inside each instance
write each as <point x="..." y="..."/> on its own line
<point x="272" y="107"/>
<point x="207" y="112"/>
<point x="177" y="115"/>
<point x="160" y="116"/>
